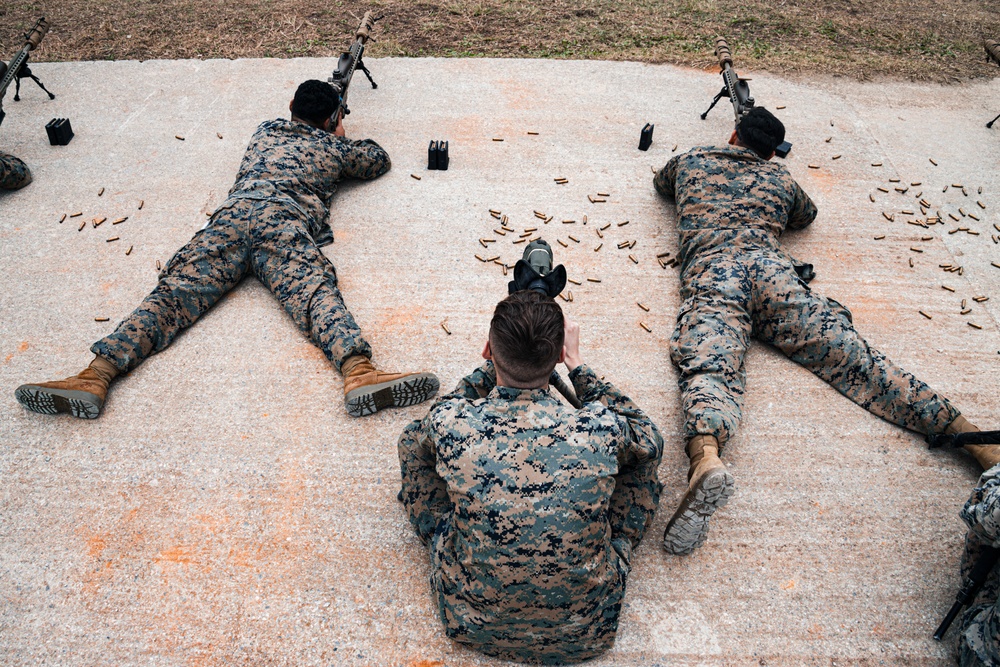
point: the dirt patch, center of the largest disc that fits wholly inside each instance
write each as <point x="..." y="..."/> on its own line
<point x="910" y="39"/>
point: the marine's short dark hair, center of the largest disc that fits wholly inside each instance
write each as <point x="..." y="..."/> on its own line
<point x="526" y="337"/>
<point x="760" y="131"/>
<point x="315" y="101"/>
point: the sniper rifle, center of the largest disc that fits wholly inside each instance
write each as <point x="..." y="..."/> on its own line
<point x="18" y="69"/>
<point x="352" y="60"/>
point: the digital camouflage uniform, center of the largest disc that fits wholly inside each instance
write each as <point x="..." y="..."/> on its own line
<point x="531" y="511"/>
<point x="979" y="641"/>
<point x="737" y="283"/>
<point x="14" y="174"/>
<point x="273" y="225"/>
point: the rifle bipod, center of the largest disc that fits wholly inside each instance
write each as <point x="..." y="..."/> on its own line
<point x="722" y="93"/>
<point x="24" y="72"/>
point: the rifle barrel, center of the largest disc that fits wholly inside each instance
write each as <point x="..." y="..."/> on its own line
<point x="948" y="620"/>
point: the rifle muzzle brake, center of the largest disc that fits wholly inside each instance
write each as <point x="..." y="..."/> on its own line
<point x="34" y="38"/>
<point x="723" y="53"/>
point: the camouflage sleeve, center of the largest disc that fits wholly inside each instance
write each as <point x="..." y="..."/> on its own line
<point x="365" y="159"/>
<point x="644" y="442"/>
<point x="982" y="511"/>
<point x="14" y="173"/>
<point x="424" y="493"/>
<point x="803" y="211"/>
<point x="477" y="384"/>
<point x="666" y="177"/>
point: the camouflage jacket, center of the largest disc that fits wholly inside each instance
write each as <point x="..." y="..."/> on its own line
<point x="300" y="165"/>
<point x="524" y="564"/>
<point x="729" y="199"/>
<point x="14" y="174"/>
<point x="981" y="621"/>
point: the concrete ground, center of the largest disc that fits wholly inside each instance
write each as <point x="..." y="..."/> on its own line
<point x="225" y="510"/>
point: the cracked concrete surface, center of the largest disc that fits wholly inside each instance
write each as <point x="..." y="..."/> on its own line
<point x="225" y="509"/>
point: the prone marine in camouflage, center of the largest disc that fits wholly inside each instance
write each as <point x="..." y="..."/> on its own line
<point x="14" y="173"/>
<point x="737" y="283"/>
<point x="531" y="509"/>
<point x="272" y="225"/>
<point x="979" y="639"/>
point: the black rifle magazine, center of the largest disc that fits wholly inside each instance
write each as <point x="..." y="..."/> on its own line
<point x="783" y="149"/>
<point x="59" y="131"/>
<point x="646" y="137"/>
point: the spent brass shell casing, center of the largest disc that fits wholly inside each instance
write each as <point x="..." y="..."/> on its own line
<point x="926" y="238"/>
<point x="493" y="211"/>
<point x="497" y="139"/>
<point x="972" y="233"/>
<point x="500" y="232"/>
<point x="911" y="262"/>
<point x="119" y="221"/>
<point x="828" y="139"/>
<point x="916" y="183"/>
<point x="663" y="254"/>
<point x="953" y="231"/>
<point x="835" y="157"/>
<point x="641" y="305"/>
<point x="634" y="260"/>
<point x="632" y="245"/>
<point x="964" y="301"/>
<point x="62" y="219"/>
<point x="493" y="258"/>
<point x="980" y="299"/>
<point x="446" y="329"/>
<point x="907" y="212"/>
<point x="981" y="205"/>
<point x="980" y="190"/>
<point x="643" y="325"/>
<point x="562" y="243"/>
<point x="962" y="212"/>
<point x="879" y="237"/>
<point x="593" y="280"/>
<point x="894" y="180"/>
<point x="584" y="218"/>
<point x="534" y="134"/>
<point x="569" y="222"/>
<point x="919" y="195"/>
<point x="672" y="150"/>
<point x="881" y="189"/>
<point x="901" y="191"/>
<point x="780" y="107"/>
<point x="76" y="215"/>
<point x="101" y="319"/>
<point x="498" y="262"/>
<point x="480" y="258"/>
<point x="531" y="229"/>
<point x="974" y="325"/>
<point x="482" y="242"/>
<point x="158" y="265"/>
<point x="540" y="216"/>
<point x="603" y="194"/>
<point x="953" y="217"/>
<point x="932" y="161"/>
<point x="569" y="295"/>
<point x="178" y="137"/>
<point x="524" y="240"/>
<point x="575" y="282"/>
<point x="590" y="198"/>
<point x="218" y="134"/>
<point x="82" y="225"/>
<point x="965" y="311"/>
<point x="957" y="185"/>
<point x="871" y="198"/>
<point x="925" y="314"/>
<point x="995" y="265"/>
<point x="965" y="192"/>
<point x="113" y="238"/>
<point x="598" y="247"/>
<point x="623" y="244"/>
<point x="573" y="238"/>
<point x="887" y="216"/>
<point x="599" y="234"/>
<point x="100" y="192"/>
<point x="414" y="177"/>
<point x="876" y="164"/>
<point x="950" y="289"/>
<point x="916" y="249"/>
<point x="814" y="166"/>
<point x="504" y="268"/>
<point x="564" y="297"/>
<point x="622" y="224"/>
<point x="129" y="251"/>
<point x="142" y="202"/>
<point x="525" y="235"/>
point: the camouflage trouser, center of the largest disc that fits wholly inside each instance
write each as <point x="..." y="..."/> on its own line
<point x="14" y="174"/>
<point x="261" y="236"/>
<point x="730" y="297"/>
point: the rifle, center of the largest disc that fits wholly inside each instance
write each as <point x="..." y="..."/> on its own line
<point x="737" y="89"/>
<point x="534" y="271"/>
<point x="351" y="60"/>
<point x="970" y="587"/>
<point x="992" y="53"/>
<point x="18" y="67"/>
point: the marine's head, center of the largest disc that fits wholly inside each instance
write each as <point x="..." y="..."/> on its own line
<point x="759" y="131"/>
<point x="315" y="103"/>
<point x="526" y="339"/>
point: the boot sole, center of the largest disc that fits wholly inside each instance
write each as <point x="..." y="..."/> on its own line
<point x="688" y="527"/>
<point x="47" y="401"/>
<point x="400" y="393"/>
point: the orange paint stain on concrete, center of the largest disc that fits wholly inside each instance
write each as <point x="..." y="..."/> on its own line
<point x="7" y="359"/>
<point x="23" y="346"/>
<point x="180" y="554"/>
<point x="824" y="179"/>
<point x="425" y="663"/>
<point x="96" y="545"/>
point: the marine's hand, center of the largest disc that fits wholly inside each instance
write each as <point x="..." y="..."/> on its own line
<point x="339" y="130"/>
<point x="571" y="345"/>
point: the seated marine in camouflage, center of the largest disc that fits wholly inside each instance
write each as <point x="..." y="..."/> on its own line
<point x="14" y="174"/>
<point x="272" y="225"/>
<point x="979" y="639"/>
<point x="531" y="509"/>
<point x="737" y="283"/>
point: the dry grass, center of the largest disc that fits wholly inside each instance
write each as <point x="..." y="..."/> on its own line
<point x="917" y="39"/>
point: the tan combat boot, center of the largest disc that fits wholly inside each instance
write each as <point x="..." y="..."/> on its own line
<point x="987" y="455"/>
<point x="81" y="395"/>
<point x="709" y="487"/>
<point x="367" y="390"/>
